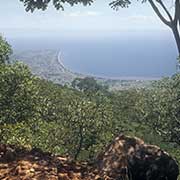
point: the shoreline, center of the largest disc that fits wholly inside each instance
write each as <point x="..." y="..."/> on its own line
<point x="120" y="78"/>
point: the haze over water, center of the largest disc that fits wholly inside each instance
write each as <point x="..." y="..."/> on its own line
<point x="133" y="54"/>
<point x="95" y="39"/>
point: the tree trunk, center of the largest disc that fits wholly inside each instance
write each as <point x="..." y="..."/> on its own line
<point x="80" y="143"/>
<point x="177" y="37"/>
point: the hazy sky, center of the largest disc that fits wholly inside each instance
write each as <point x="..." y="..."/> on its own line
<point x="96" y="19"/>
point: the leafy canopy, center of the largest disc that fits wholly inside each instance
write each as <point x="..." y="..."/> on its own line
<point x="88" y="85"/>
<point x="5" y="50"/>
<point x="18" y="92"/>
<point x="32" y="5"/>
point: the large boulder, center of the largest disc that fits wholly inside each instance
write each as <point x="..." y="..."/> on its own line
<point x="129" y="158"/>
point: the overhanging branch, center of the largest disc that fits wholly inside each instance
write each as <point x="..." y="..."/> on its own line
<point x="163" y="19"/>
<point x="177" y="12"/>
<point x="165" y="9"/>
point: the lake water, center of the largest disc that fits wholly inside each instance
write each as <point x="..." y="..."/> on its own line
<point x="128" y="56"/>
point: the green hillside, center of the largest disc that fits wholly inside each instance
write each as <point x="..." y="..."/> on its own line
<point x="45" y="64"/>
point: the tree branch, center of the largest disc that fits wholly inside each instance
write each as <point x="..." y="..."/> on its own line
<point x="168" y="23"/>
<point x="165" y="9"/>
<point x="177" y="12"/>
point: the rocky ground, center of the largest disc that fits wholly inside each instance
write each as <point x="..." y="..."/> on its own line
<point x="21" y="164"/>
<point x="124" y="158"/>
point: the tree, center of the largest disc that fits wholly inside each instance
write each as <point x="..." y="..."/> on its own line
<point x="5" y="51"/>
<point x="88" y="85"/>
<point x="172" y="21"/>
<point x="31" y="5"/>
<point x="89" y="125"/>
<point x="159" y="108"/>
<point x="18" y="93"/>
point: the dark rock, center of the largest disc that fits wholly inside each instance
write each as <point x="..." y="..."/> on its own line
<point x="38" y="152"/>
<point x="9" y="155"/>
<point x="130" y="158"/>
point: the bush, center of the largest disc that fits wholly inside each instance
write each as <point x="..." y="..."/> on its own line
<point x="18" y="93"/>
<point x="5" y="51"/>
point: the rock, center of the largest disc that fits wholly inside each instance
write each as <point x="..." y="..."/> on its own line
<point x="9" y="155"/>
<point x="32" y="170"/>
<point x="2" y="148"/>
<point x="39" y="153"/>
<point x="63" y="176"/>
<point x="130" y="158"/>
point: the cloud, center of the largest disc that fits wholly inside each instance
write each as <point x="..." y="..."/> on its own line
<point x="141" y="18"/>
<point x="138" y="18"/>
<point x="82" y="14"/>
<point x="138" y="21"/>
<point x="93" y="13"/>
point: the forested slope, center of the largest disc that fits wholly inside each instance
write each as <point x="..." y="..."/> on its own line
<point x="79" y="121"/>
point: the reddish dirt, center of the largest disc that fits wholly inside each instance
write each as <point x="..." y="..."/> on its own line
<point x="21" y="164"/>
<point x="125" y="156"/>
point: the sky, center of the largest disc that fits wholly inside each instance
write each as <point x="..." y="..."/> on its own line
<point x="97" y="19"/>
<point x="143" y="40"/>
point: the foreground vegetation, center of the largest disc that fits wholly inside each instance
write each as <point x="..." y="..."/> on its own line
<point x="78" y="121"/>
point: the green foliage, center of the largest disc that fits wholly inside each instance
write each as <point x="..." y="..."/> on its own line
<point x="39" y="113"/>
<point x="160" y="109"/>
<point x="88" y="85"/>
<point x="80" y="122"/>
<point x="5" y="51"/>
<point x="82" y="119"/>
<point x="17" y="93"/>
<point x="34" y="133"/>
<point x="124" y="109"/>
<point x="120" y="3"/>
<point x="88" y="123"/>
<point x="31" y="5"/>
